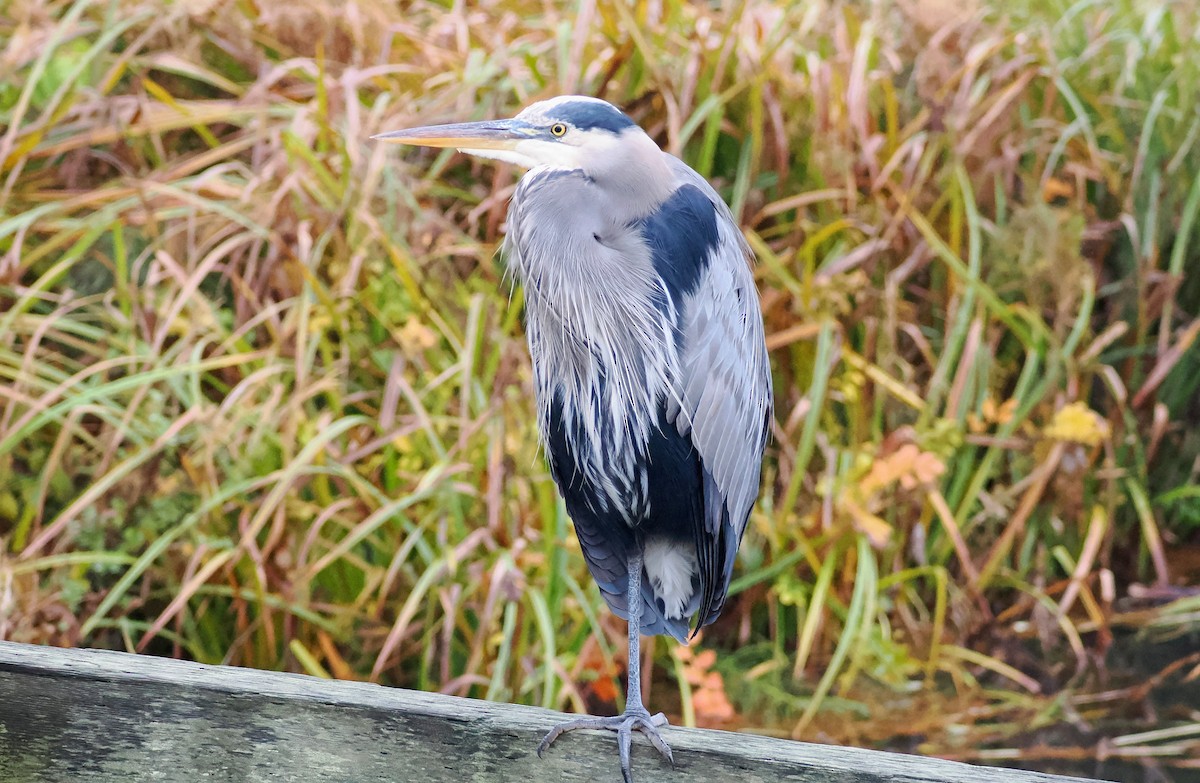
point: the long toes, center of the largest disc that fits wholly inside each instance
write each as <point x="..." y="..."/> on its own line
<point x="624" y="726"/>
<point x="624" y="740"/>
<point x="649" y="728"/>
<point x="554" y="734"/>
<point x="548" y="740"/>
<point x="661" y="746"/>
<point x="573" y="725"/>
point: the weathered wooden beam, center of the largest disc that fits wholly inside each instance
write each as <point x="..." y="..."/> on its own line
<point x="91" y="715"/>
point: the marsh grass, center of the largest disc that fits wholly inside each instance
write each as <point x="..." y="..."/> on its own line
<point x="265" y="400"/>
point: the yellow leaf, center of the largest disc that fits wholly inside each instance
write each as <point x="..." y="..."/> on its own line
<point x="1077" y="423"/>
<point x="925" y="469"/>
<point x="874" y="528"/>
<point x="1055" y="189"/>
<point x="908" y="465"/>
<point x="416" y="336"/>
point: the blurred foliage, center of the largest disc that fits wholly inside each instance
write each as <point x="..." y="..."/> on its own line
<point x="264" y="399"/>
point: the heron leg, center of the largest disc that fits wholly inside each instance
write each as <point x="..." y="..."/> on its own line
<point x="636" y="717"/>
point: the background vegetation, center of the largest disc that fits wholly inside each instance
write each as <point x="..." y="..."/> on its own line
<point x="264" y="399"/>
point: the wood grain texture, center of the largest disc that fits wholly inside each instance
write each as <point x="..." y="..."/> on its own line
<point x="91" y="715"/>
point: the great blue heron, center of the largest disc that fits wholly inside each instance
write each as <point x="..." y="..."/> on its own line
<point x="649" y="363"/>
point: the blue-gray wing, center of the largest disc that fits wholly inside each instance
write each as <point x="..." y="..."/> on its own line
<point x="724" y="399"/>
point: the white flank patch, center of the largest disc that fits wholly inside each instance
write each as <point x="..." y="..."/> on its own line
<point x="670" y="570"/>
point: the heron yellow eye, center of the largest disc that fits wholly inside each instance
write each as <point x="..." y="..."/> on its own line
<point x="558" y="129"/>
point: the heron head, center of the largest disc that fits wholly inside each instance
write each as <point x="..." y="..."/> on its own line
<point x="572" y="131"/>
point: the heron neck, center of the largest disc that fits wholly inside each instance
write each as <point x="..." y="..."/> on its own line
<point x="635" y="176"/>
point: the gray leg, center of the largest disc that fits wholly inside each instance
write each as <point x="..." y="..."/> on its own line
<point x="636" y="717"/>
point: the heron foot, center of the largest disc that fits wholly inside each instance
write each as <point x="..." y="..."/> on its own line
<point x="624" y="725"/>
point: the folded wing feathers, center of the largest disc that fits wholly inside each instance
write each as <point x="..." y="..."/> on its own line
<point x="725" y="398"/>
<point x="725" y="394"/>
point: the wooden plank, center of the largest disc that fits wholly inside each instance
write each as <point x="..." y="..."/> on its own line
<point x="91" y="715"/>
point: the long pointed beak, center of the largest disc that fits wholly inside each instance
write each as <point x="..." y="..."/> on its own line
<point x="488" y="135"/>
